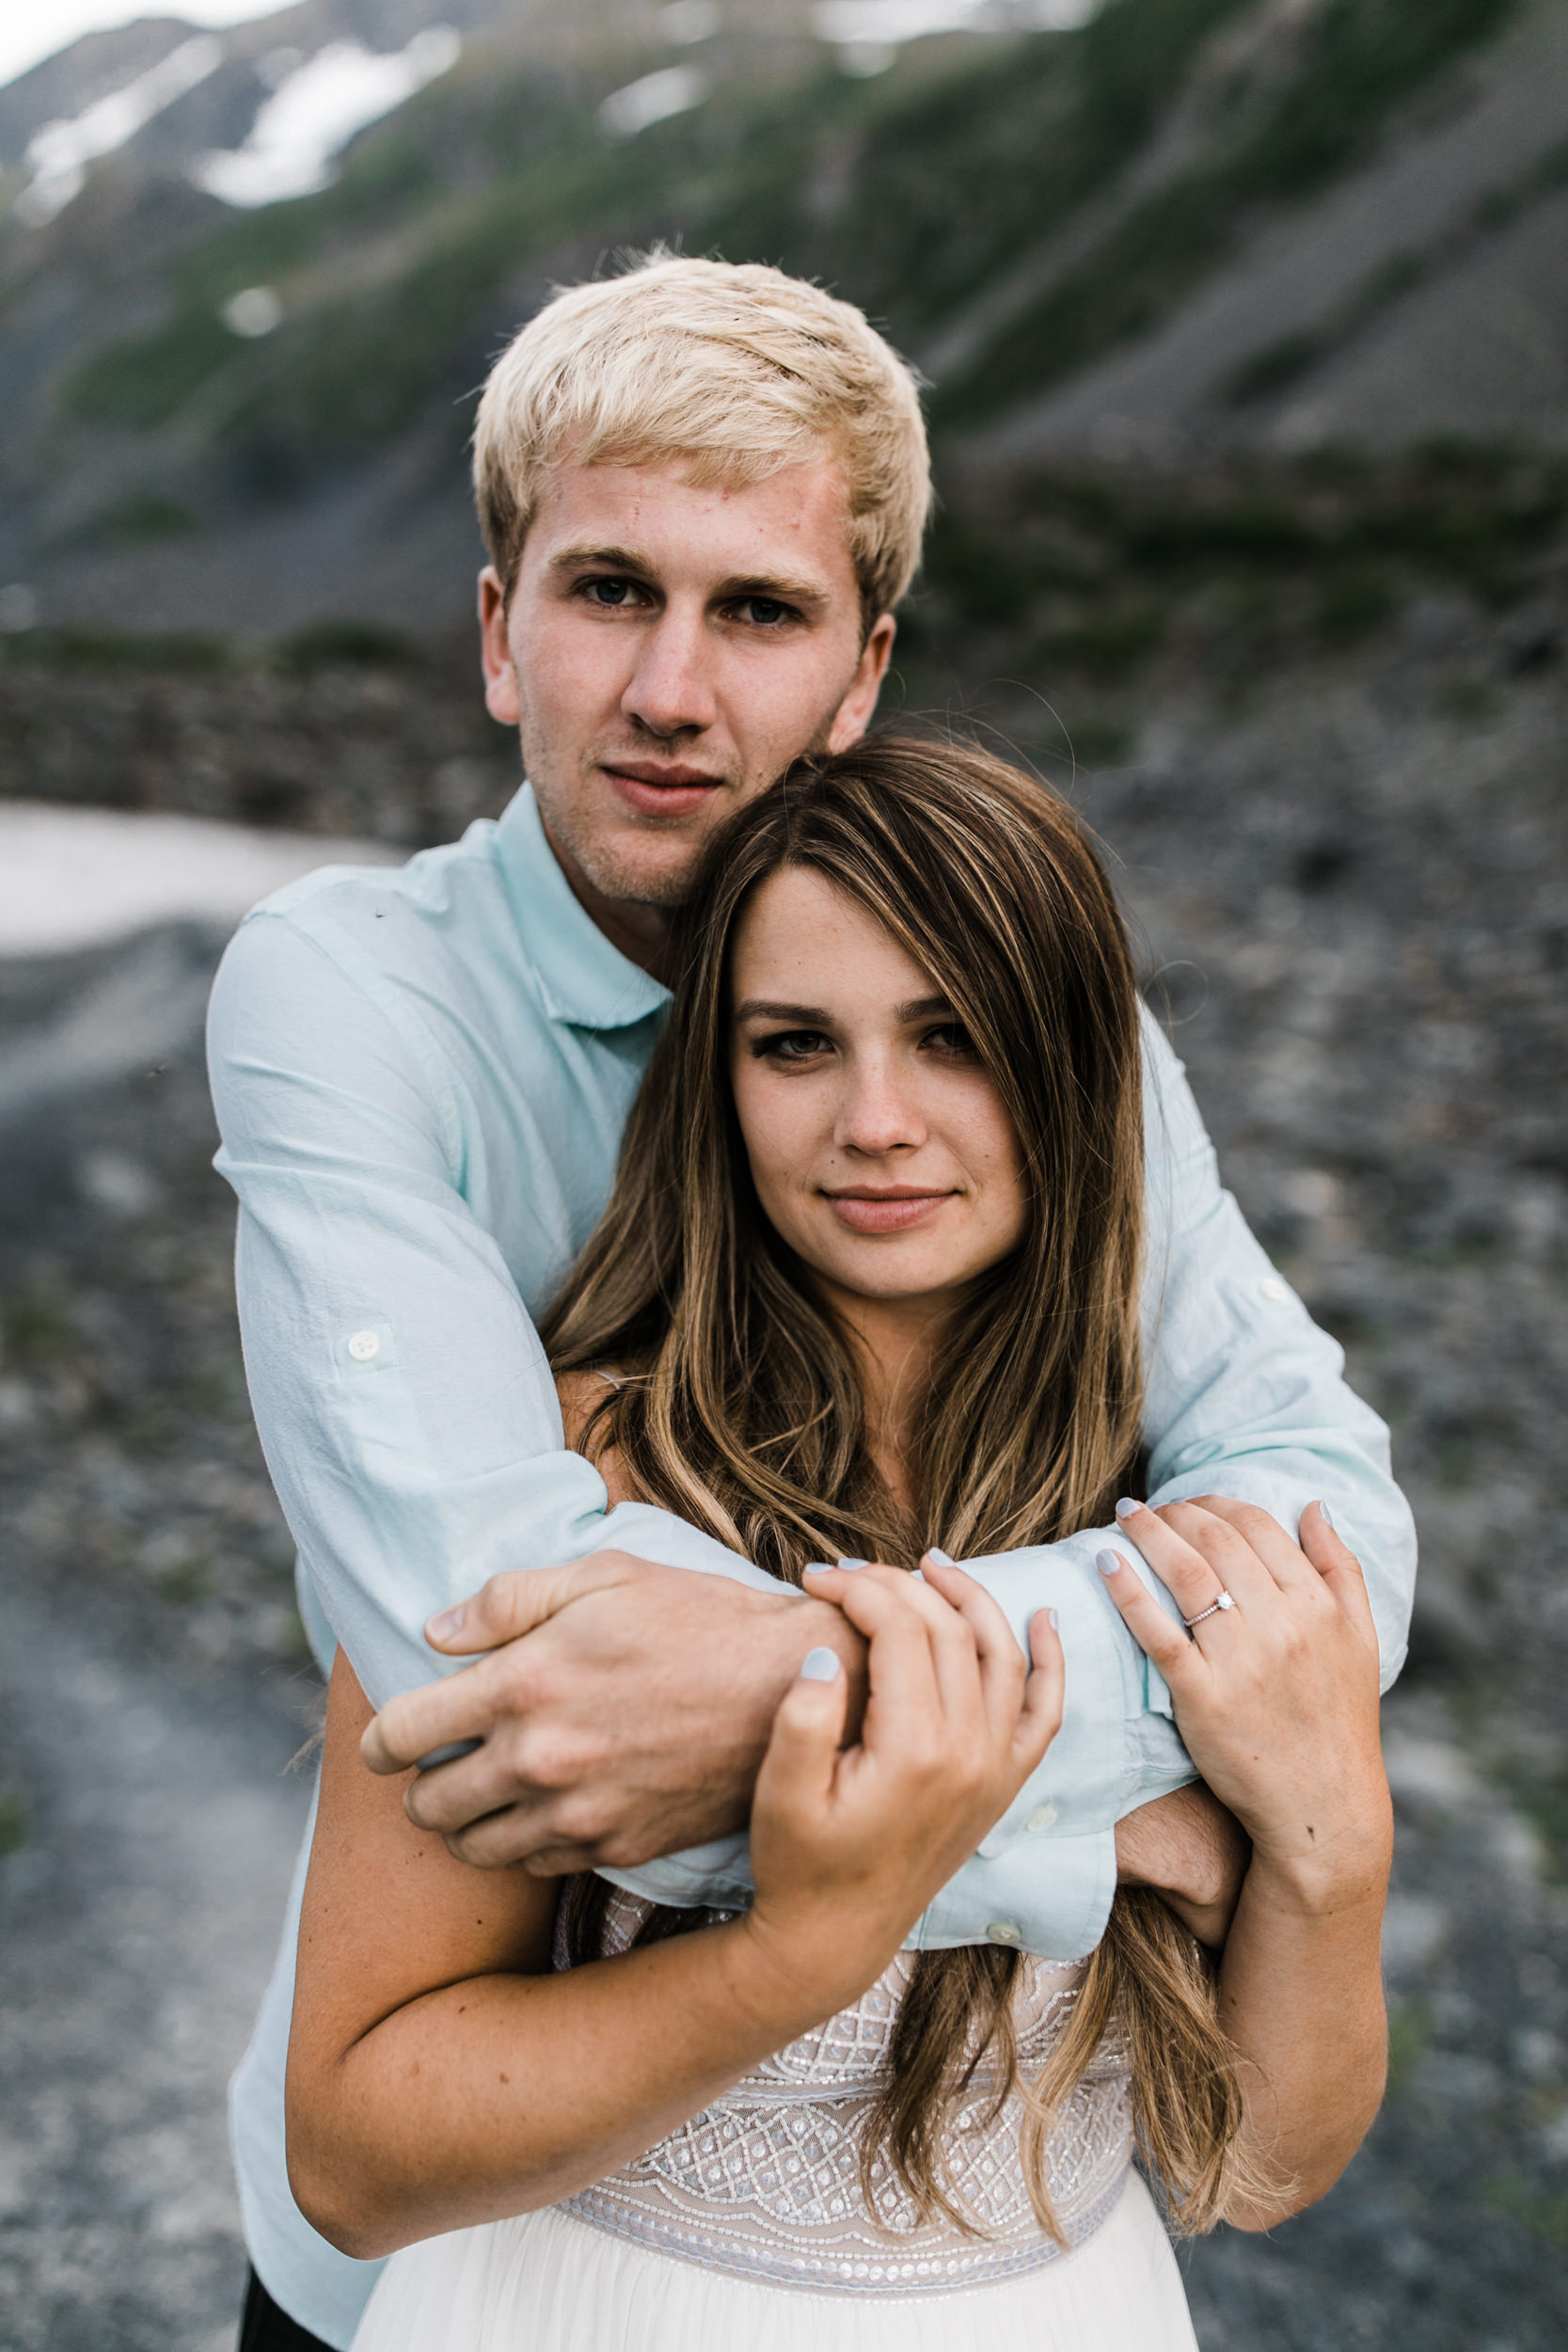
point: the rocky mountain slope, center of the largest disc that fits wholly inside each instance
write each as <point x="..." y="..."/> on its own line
<point x="1181" y="227"/>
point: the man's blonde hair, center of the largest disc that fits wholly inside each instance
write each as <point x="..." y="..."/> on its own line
<point x="733" y="368"/>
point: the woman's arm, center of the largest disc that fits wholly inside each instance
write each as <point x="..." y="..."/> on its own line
<point x="1276" y="1697"/>
<point x="439" y="2075"/>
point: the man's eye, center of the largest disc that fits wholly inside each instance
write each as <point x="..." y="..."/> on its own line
<point x="766" y="612"/>
<point x="614" y="593"/>
<point x="791" y="1046"/>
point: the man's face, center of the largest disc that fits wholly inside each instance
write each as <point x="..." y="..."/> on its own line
<point x="666" y="654"/>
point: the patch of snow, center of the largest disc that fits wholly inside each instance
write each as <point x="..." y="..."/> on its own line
<point x="674" y="91"/>
<point x="79" y="877"/>
<point x="867" y="33"/>
<point x="58" y="156"/>
<point x="315" y="110"/>
<point x="254" y="310"/>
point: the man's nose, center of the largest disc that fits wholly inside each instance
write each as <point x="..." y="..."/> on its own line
<point x="671" y="691"/>
<point x="878" y="1112"/>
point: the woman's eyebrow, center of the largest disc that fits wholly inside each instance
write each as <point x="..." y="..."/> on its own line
<point x="762" y="1008"/>
<point x="922" y="1008"/>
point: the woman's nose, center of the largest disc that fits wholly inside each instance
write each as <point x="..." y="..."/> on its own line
<point x="879" y="1114"/>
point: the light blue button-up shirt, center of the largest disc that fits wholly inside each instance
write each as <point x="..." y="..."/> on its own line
<point x="420" y="1077"/>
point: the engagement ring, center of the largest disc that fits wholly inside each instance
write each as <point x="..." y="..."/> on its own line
<point x="1223" y="1601"/>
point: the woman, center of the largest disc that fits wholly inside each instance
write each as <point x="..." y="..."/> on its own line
<point x="868" y="1285"/>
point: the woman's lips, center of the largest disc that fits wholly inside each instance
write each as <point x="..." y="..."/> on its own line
<point x="662" y="791"/>
<point x="884" y="1212"/>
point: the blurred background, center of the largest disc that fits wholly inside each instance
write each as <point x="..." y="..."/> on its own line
<point x="1246" y="325"/>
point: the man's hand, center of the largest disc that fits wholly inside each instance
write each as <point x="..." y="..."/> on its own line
<point x="622" y="1711"/>
<point x="1193" y="1851"/>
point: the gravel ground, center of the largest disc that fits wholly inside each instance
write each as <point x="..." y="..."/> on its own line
<point x="1351" y="885"/>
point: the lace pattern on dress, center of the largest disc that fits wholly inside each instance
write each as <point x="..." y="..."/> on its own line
<point x="765" y="2183"/>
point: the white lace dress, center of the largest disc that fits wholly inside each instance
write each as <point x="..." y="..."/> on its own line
<point x="748" y="2226"/>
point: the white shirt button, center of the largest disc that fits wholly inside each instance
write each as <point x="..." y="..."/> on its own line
<point x="1042" y="1818"/>
<point x="1003" y="1931"/>
<point x="365" y="1347"/>
<point x="1272" y="1288"/>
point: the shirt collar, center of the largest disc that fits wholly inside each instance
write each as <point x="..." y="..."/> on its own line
<point x="580" y="976"/>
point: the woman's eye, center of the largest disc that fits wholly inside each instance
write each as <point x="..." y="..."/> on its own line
<point x="954" y="1039"/>
<point x="791" y="1046"/>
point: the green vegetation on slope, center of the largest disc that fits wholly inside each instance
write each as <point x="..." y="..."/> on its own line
<point x="1358" y="62"/>
<point x="915" y="193"/>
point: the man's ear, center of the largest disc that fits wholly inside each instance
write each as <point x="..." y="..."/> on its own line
<point x="855" y="711"/>
<point x="495" y="651"/>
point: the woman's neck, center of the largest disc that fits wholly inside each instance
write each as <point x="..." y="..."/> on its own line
<point x="893" y="1345"/>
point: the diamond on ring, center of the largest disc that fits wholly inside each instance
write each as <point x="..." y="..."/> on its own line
<point x="1225" y="1602"/>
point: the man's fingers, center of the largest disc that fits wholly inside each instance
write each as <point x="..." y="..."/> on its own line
<point x="1147" y="1622"/>
<point x="434" y="1716"/>
<point x="509" y="1605"/>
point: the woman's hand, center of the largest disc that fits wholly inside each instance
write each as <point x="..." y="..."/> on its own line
<point x="849" y="1845"/>
<point x="1275" y="1694"/>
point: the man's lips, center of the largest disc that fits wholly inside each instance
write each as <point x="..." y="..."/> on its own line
<point x="889" y="1212"/>
<point x="655" y="789"/>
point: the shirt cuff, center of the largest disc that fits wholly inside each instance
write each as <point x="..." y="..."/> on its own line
<point x="1009" y="1898"/>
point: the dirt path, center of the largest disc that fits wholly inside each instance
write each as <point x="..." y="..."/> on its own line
<point x="137" y="1922"/>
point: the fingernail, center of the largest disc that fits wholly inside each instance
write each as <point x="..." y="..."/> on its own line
<point x="1108" y="1561"/>
<point x="854" y="1564"/>
<point x="943" y="1559"/>
<point x="820" y="1665"/>
<point x="442" y="1627"/>
<point x="1054" y="1619"/>
<point x="915" y="1577"/>
<point x="1325" y="1515"/>
<point x="1126" y="1507"/>
<point x="817" y="1567"/>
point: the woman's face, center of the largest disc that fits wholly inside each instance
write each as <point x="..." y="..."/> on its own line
<point x="877" y="1143"/>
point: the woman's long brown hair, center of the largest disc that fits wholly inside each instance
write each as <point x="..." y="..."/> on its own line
<point x="741" y="1409"/>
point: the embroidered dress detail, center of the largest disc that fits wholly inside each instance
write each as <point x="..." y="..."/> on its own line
<point x="766" y="2184"/>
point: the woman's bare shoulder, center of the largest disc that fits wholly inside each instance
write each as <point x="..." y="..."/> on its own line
<point x="582" y="1393"/>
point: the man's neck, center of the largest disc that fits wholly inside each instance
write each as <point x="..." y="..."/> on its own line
<point x="641" y="933"/>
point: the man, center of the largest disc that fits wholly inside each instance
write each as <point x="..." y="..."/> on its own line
<point x="703" y="490"/>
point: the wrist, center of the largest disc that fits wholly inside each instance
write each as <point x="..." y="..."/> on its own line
<point x="792" y="1973"/>
<point x="1349" y="1874"/>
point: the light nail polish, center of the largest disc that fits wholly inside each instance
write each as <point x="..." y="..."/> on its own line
<point x="817" y="1567"/>
<point x="820" y="1665"/>
<point x="1325" y="1515"/>
<point x="943" y="1559"/>
<point x="854" y="1564"/>
<point x="443" y="1626"/>
<point x="1053" y="1618"/>
<point x="1108" y="1561"/>
<point x="1126" y="1507"/>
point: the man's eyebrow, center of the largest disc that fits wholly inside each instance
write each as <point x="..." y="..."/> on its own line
<point x="774" y="586"/>
<point x="612" y="558"/>
<point x="761" y="1008"/>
